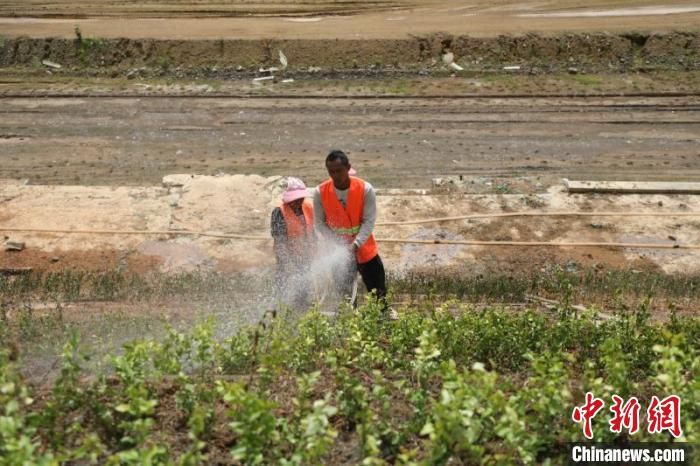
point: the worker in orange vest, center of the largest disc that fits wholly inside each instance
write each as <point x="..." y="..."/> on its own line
<point x="346" y="210"/>
<point x="292" y="228"/>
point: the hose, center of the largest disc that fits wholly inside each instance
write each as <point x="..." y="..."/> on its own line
<point x="383" y="240"/>
<point x="423" y="221"/>
<point x="542" y="214"/>
<point x="541" y="243"/>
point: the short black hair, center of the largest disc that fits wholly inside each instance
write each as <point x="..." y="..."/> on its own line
<point x="338" y="155"/>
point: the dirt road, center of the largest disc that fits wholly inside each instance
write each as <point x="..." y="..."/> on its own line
<point x="393" y="142"/>
<point x="344" y="20"/>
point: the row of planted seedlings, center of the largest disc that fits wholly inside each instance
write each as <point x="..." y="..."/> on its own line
<point x="34" y="305"/>
<point x="436" y="386"/>
<point x="70" y="285"/>
<point x="615" y="288"/>
<point x="76" y="285"/>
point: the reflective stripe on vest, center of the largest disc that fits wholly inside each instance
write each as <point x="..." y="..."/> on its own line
<point x="346" y="231"/>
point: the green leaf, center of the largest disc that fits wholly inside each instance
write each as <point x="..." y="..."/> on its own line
<point x="7" y="388"/>
<point x="122" y="408"/>
<point x="428" y="429"/>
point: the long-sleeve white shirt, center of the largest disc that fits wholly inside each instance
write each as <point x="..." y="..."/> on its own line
<point x="369" y="213"/>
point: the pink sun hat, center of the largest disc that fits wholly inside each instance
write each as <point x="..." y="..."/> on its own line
<point x="296" y="189"/>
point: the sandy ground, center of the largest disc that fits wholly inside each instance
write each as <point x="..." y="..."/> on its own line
<point x="322" y="20"/>
<point x="397" y="143"/>
<point x="242" y="204"/>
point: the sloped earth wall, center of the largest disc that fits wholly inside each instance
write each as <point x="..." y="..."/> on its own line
<point x="591" y="52"/>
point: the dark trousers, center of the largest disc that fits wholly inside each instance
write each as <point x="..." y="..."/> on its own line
<point x="373" y="276"/>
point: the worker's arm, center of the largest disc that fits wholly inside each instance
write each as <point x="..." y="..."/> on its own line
<point x="369" y="216"/>
<point x="320" y="217"/>
<point x="278" y="230"/>
<point x="278" y="227"/>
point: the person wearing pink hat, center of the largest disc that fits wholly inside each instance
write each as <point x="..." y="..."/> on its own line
<point x="292" y="229"/>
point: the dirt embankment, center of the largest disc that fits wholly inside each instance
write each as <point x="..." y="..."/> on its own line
<point x="587" y="52"/>
<point x="241" y="205"/>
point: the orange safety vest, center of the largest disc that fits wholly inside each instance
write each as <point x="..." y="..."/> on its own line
<point x="297" y="232"/>
<point x="345" y="221"/>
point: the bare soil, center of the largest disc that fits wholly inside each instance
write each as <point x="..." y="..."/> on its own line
<point x="90" y="260"/>
<point x="398" y="143"/>
<point x="339" y="20"/>
<point x="241" y="205"/>
<point x="178" y="8"/>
